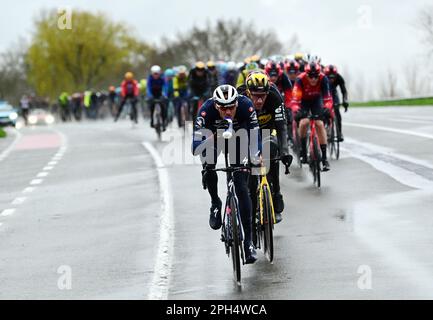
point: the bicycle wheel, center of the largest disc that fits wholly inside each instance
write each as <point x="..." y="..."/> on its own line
<point x="331" y="141"/>
<point x="157" y="122"/>
<point x="297" y="144"/>
<point x="235" y="243"/>
<point x="316" y="162"/>
<point x="268" y="225"/>
<point x="337" y="142"/>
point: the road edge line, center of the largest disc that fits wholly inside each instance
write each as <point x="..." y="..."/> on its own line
<point x="6" y="152"/>
<point x="162" y="270"/>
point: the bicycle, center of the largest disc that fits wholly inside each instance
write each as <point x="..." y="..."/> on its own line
<point x="195" y="105"/>
<point x="232" y="233"/>
<point x="264" y="214"/>
<point x="333" y="141"/>
<point x="157" y="117"/>
<point x="314" y="155"/>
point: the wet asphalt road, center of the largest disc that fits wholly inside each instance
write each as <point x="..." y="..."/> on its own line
<point x="95" y="215"/>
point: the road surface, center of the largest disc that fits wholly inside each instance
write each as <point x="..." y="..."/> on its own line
<point x="100" y="210"/>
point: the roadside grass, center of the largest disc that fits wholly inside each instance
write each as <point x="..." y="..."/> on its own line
<point x="3" y="133"/>
<point x="403" y="102"/>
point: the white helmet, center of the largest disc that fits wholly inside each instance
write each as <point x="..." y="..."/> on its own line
<point x="315" y="58"/>
<point x="155" y="69"/>
<point x="225" y="95"/>
<point x="231" y="65"/>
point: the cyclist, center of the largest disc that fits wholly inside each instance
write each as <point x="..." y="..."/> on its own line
<point x="292" y="70"/>
<point x="25" y="107"/>
<point x="64" y="106"/>
<point x="199" y="86"/>
<point x="336" y="80"/>
<point x="226" y="103"/>
<point x="231" y="75"/>
<point x="256" y="58"/>
<point x="280" y="79"/>
<point x="311" y="93"/>
<point x="299" y="58"/>
<point x="252" y="66"/>
<point x="269" y="106"/>
<point x="156" y="88"/>
<point x="213" y="75"/>
<point x="129" y="90"/>
<point x="142" y="85"/>
<point x="112" y="96"/>
<point x="180" y="86"/>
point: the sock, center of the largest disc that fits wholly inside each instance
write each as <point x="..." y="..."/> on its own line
<point x="323" y="148"/>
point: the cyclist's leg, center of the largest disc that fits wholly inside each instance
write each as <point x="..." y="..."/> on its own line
<point x="245" y="204"/>
<point x="289" y="119"/>
<point x="321" y="133"/>
<point x="302" y="116"/>
<point x="119" y="112"/>
<point x="151" y="104"/>
<point x="134" y="115"/>
<point x="274" y="176"/>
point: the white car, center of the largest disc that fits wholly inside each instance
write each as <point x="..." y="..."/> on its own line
<point x="40" y="117"/>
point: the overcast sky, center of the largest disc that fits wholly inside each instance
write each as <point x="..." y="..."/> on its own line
<point x="352" y="34"/>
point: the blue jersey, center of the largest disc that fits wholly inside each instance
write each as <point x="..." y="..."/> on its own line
<point x="209" y="118"/>
<point x="156" y="88"/>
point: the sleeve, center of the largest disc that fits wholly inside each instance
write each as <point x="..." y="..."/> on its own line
<point x="254" y="135"/>
<point x="296" y="94"/>
<point x="241" y="79"/>
<point x="149" y="87"/>
<point x="176" y="87"/>
<point x="201" y="133"/>
<point x="343" y="89"/>
<point x="326" y="94"/>
<point x="281" y="125"/>
<point x="123" y="89"/>
<point x="136" y="89"/>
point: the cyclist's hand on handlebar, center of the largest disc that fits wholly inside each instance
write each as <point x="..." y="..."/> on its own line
<point x="345" y="105"/>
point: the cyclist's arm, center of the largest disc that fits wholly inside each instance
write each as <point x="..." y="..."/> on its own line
<point x="149" y="88"/>
<point x="326" y="94"/>
<point x="202" y="136"/>
<point x="296" y="95"/>
<point x="342" y="84"/>
<point x="281" y="126"/>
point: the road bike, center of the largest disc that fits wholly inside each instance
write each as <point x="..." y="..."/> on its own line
<point x="157" y="117"/>
<point x="264" y="213"/>
<point x="232" y="233"/>
<point x="314" y="153"/>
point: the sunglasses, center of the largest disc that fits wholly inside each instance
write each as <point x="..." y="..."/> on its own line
<point x="226" y="107"/>
<point x="313" y="76"/>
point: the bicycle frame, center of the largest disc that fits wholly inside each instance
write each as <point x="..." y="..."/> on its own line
<point x="264" y="182"/>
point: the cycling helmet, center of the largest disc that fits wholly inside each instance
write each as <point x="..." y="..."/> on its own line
<point x="255" y="58"/>
<point x="291" y="66"/>
<point x="210" y="64"/>
<point x="315" y="58"/>
<point x="155" y="69"/>
<point x="169" y="73"/>
<point x="182" y="70"/>
<point x="251" y="66"/>
<point x="312" y="69"/>
<point x="273" y="69"/>
<point x="200" y="65"/>
<point x="231" y="65"/>
<point x="258" y="81"/>
<point x="331" y="70"/>
<point x="129" y="76"/>
<point x="299" y="56"/>
<point x="112" y="88"/>
<point x="225" y="95"/>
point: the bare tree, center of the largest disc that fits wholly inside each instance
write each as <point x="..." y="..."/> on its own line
<point x="424" y="23"/>
<point x="388" y="88"/>
<point x="225" y="40"/>
<point x="415" y="79"/>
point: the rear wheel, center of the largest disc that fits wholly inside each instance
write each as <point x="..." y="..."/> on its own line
<point x="235" y="243"/>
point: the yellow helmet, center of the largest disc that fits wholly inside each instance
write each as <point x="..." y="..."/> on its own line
<point x="129" y="75"/>
<point x="200" y="65"/>
<point x="255" y="58"/>
<point x="210" y="64"/>
<point x="258" y="81"/>
<point x="247" y="60"/>
<point x="299" y="56"/>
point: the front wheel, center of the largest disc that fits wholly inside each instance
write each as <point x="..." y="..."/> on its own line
<point x="268" y="224"/>
<point x="235" y="243"/>
<point x="316" y="162"/>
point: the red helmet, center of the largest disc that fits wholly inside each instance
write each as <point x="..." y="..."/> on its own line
<point x="273" y="69"/>
<point x="292" y="66"/>
<point x="312" y="69"/>
<point x="331" y="70"/>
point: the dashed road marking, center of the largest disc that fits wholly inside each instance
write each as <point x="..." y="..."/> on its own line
<point x="18" y="201"/>
<point x="48" y="168"/>
<point x="29" y="190"/>
<point x="52" y="163"/>
<point x="36" y="181"/>
<point x="7" y="212"/>
<point x="42" y="174"/>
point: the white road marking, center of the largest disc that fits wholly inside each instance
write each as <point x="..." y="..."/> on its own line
<point x="48" y="168"/>
<point x="52" y="163"/>
<point x="7" y="212"/>
<point x="162" y="270"/>
<point x="36" y="181"/>
<point x="6" y="152"/>
<point x="18" y="201"/>
<point x="29" y="190"/>
<point x="395" y="130"/>
<point x="42" y="174"/>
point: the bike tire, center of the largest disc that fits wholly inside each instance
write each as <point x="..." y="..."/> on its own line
<point x="268" y="227"/>
<point x="316" y="163"/>
<point x="337" y="143"/>
<point x="235" y="243"/>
